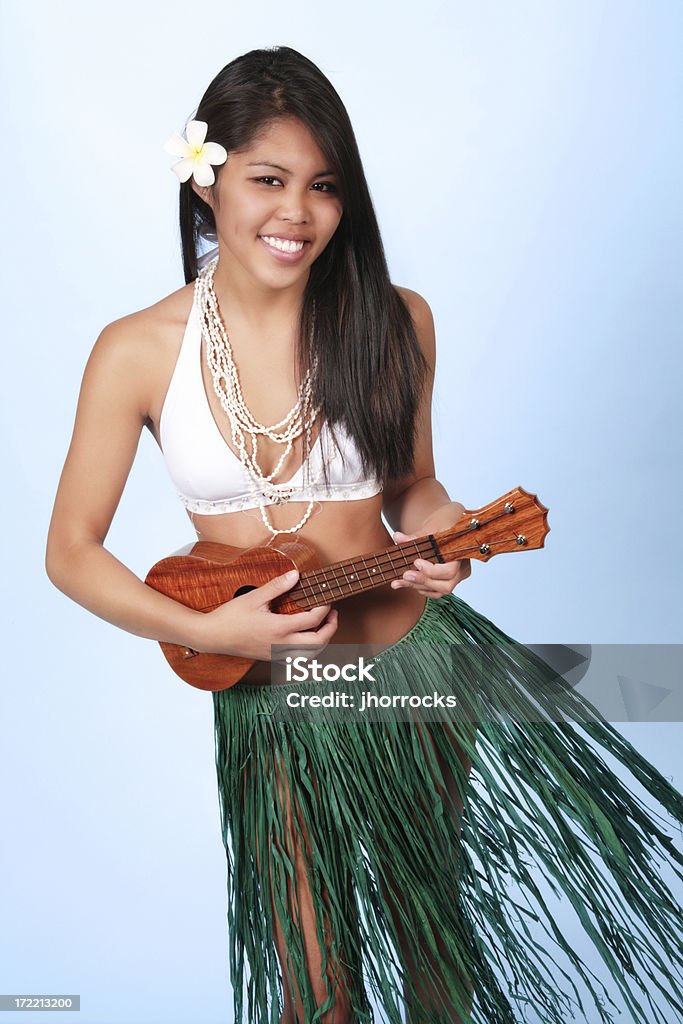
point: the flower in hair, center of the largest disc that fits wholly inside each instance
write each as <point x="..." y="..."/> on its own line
<point x="197" y="155"/>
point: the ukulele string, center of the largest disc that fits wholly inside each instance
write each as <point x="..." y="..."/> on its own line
<point x="396" y="555"/>
<point x="326" y="580"/>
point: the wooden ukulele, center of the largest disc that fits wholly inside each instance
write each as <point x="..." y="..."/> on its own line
<point x="206" y="574"/>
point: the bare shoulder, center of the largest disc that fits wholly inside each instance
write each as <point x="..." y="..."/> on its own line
<point x="142" y="347"/>
<point x="415" y="302"/>
<point x="149" y="327"/>
<point x="421" y="313"/>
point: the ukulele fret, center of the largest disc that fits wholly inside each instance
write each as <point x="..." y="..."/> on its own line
<point x="400" y="551"/>
<point x="323" y="587"/>
<point x="305" y="587"/>
<point x="346" y="578"/>
<point x="366" y="571"/>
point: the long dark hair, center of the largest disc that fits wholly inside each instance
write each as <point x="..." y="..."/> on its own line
<point x="370" y="367"/>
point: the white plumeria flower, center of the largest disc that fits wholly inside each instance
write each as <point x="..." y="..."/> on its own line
<point x="197" y="155"/>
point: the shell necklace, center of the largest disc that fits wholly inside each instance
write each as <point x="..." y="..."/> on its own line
<point x="300" y="417"/>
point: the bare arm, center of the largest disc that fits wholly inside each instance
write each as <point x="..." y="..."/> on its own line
<point x="419" y="504"/>
<point x="111" y="413"/>
<point x="420" y="497"/>
<point x="110" y="416"/>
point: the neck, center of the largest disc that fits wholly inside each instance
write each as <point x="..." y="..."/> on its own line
<point x="366" y="572"/>
<point x="254" y="302"/>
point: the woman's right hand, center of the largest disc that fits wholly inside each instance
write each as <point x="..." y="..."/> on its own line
<point x="246" y="627"/>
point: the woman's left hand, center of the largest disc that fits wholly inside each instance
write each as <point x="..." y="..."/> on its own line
<point x="432" y="579"/>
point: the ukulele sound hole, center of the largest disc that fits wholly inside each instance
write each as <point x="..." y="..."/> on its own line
<point x="246" y="589"/>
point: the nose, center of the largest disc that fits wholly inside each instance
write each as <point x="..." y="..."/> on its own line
<point x="294" y="207"/>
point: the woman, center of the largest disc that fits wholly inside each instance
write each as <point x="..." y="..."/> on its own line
<point x="360" y="865"/>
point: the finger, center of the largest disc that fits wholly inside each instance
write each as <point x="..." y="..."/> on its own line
<point x="278" y="585"/>
<point x="428" y="588"/>
<point x="425" y="579"/>
<point x="303" y="641"/>
<point x="435" y="591"/>
<point x="306" y="620"/>
<point x="328" y="628"/>
<point x="405" y="538"/>
<point x="321" y="636"/>
<point x="442" y="583"/>
<point x="438" y="570"/>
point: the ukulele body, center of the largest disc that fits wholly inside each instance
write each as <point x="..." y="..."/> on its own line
<point x="206" y="574"/>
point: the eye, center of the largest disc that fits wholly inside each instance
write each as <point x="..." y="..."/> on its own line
<point x="328" y="186"/>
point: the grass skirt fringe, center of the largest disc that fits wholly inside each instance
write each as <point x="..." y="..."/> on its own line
<point x="367" y="802"/>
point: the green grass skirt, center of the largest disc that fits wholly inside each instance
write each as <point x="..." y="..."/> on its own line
<point x="367" y="802"/>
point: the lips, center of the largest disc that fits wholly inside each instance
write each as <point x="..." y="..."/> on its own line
<point x="287" y="238"/>
<point x="282" y="256"/>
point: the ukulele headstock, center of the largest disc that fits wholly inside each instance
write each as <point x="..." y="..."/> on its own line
<point x="517" y="521"/>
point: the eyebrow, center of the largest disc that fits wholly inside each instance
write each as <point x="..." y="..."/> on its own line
<point x="269" y="163"/>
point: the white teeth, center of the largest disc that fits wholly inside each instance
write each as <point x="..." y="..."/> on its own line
<point x="285" y="245"/>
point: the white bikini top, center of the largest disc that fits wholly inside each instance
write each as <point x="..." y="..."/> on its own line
<point x="209" y="478"/>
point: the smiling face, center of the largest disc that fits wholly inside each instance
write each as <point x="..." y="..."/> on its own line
<point x="276" y="206"/>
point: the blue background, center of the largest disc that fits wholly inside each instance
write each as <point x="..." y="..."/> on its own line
<point x="525" y="162"/>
